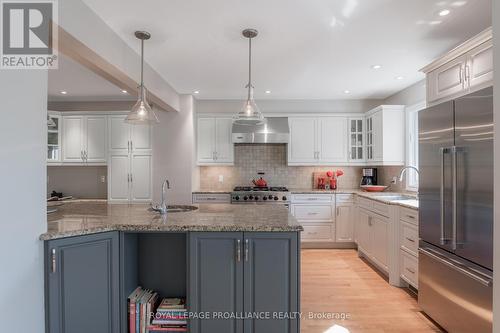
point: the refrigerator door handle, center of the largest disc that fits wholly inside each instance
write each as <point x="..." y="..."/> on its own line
<point x="471" y="273"/>
<point x="443" y="239"/>
<point x="454" y="198"/>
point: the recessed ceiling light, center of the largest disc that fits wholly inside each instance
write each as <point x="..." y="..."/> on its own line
<point x="376" y="66"/>
<point x="444" y="12"/>
<point x="196" y="92"/>
<point x="64" y="92"/>
<point x="268" y="91"/>
<point x="124" y="91"/>
<point x="399" y="77"/>
<point x="347" y="91"/>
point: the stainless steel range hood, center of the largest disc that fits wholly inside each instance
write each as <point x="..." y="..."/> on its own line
<point x="275" y="130"/>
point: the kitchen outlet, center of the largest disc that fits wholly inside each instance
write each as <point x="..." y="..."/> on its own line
<point x="221" y="179"/>
<point x="103" y="179"/>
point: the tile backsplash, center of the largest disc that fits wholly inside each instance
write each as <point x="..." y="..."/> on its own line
<point x="249" y="159"/>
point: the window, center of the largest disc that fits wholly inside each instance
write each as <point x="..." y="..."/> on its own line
<point x="412" y="144"/>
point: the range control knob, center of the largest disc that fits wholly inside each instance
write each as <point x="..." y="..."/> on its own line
<point x="270" y="197"/>
<point x="275" y="198"/>
<point x="284" y="198"/>
<point x="245" y="198"/>
<point x="264" y="198"/>
<point x="237" y="198"/>
<point x="250" y="197"/>
<point x="256" y="198"/>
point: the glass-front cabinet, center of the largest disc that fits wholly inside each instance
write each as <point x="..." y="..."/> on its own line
<point x="53" y="138"/>
<point x="369" y="138"/>
<point x="356" y="140"/>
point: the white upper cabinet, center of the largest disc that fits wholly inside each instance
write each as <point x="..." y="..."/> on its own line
<point x="302" y="147"/>
<point x="332" y="140"/>
<point x="356" y="152"/>
<point x="466" y="68"/>
<point x="129" y="138"/>
<point x="317" y="140"/>
<point x="214" y="141"/>
<point x="385" y="135"/>
<point x="84" y="139"/>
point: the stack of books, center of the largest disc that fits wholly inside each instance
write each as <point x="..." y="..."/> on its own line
<point x="142" y="303"/>
<point x="146" y="316"/>
<point x="171" y="316"/>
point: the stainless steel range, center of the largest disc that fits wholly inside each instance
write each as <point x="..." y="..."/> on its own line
<point x="260" y="195"/>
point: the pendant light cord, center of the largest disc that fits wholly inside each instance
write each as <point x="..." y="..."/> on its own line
<point x="142" y="69"/>
<point x="249" y="67"/>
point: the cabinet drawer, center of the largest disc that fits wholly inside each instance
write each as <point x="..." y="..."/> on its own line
<point x="408" y="215"/>
<point x="409" y="268"/>
<point x="317" y="232"/>
<point x="365" y="203"/>
<point x="409" y="237"/>
<point x="211" y="198"/>
<point x="344" y="198"/>
<point x="312" y="198"/>
<point x="381" y="208"/>
<point x="313" y="212"/>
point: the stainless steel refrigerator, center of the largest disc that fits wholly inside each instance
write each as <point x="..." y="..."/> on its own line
<point x="456" y="212"/>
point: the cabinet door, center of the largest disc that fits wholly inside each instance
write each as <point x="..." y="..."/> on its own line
<point x="270" y="275"/>
<point x="206" y="140"/>
<point x="332" y="139"/>
<point x="378" y="136"/>
<point x="480" y="65"/>
<point x="119" y="133"/>
<point x="73" y="144"/>
<point x="363" y="231"/>
<point x="302" y="146"/>
<point x="119" y="177"/>
<point x="379" y="240"/>
<point x="140" y="178"/>
<point x="95" y="139"/>
<point x="224" y="150"/>
<point x="54" y="139"/>
<point x="356" y="140"/>
<point x="215" y="280"/>
<point x="140" y="138"/>
<point x="447" y="80"/>
<point x="344" y="224"/>
<point x="83" y="284"/>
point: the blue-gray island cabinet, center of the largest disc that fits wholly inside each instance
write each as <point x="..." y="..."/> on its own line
<point x="241" y="279"/>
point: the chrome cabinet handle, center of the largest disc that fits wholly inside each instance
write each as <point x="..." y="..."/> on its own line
<point x="337" y="211"/>
<point x="460" y="76"/>
<point x="467" y="74"/>
<point x="131" y="145"/>
<point x="370" y="221"/>
<point x="410" y="270"/>
<point x="246" y="249"/>
<point x="312" y="213"/>
<point x="128" y="146"/>
<point x="238" y="250"/>
<point x="131" y="179"/>
<point x="410" y="240"/>
<point x="470" y="272"/>
<point x="53" y="261"/>
<point x="81" y="155"/>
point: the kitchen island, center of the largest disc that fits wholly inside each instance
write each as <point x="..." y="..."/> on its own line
<point x="226" y="260"/>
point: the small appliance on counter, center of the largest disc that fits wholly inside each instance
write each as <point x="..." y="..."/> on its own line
<point x="369" y="176"/>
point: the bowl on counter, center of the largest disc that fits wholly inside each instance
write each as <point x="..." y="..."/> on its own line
<point x="374" y="188"/>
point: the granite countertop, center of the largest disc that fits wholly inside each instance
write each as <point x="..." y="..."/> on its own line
<point x="88" y="217"/>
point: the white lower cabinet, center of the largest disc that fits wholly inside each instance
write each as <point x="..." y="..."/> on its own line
<point x="408" y="243"/>
<point x="315" y="213"/>
<point x="344" y="218"/>
<point x="372" y="236"/>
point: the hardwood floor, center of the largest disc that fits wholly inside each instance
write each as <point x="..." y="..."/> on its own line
<point x="337" y="281"/>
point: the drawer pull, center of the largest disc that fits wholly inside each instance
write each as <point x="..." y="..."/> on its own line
<point x="410" y="270"/>
<point x="312" y="213"/>
<point x="410" y="217"/>
<point x="312" y="198"/>
<point x="410" y="240"/>
<point x="312" y="233"/>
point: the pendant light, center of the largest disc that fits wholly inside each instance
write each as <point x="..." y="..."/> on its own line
<point x="250" y="113"/>
<point x="141" y="112"/>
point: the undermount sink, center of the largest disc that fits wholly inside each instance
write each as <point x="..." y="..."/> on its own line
<point x="180" y="208"/>
<point x="391" y="197"/>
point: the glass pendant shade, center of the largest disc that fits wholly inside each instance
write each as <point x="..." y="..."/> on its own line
<point x="249" y="114"/>
<point x="141" y="112"/>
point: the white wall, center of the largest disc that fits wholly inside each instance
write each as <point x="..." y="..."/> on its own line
<point x="22" y="165"/>
<point x="290" y="106"/>
<point x="173" y="146"/>
<point x="414" y="94"/>
<point x="496" y="238"/>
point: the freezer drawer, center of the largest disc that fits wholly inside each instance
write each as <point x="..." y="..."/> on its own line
<point x="457" y="296"/>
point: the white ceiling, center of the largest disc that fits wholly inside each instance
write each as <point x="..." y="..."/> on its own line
<point x="81" y="84"/>
<point x="313" y="49"/>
